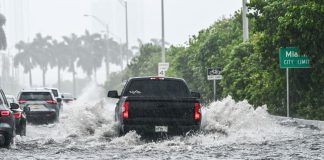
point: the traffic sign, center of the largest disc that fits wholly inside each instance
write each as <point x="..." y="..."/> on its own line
<point x="214" y="74"/>
<point x="163" y="67"/>
<point x="291" y="58"/>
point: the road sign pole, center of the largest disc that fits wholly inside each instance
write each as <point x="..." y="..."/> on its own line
<point x="291" y="57"/>
<point x="214" y="90"/>
<point x="287" y="77"/>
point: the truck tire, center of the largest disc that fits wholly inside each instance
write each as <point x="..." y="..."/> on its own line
<point x="120" y="132"/>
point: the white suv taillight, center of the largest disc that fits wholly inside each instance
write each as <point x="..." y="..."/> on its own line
<point x="17" y="115"/>
<point x="5" y="113"/>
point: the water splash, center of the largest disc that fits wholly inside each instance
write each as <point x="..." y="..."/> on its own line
<point x="231" y="121"/>
<point x="90" y="118"/>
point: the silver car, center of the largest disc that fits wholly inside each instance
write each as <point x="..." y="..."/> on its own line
<point x="42" y="103"/>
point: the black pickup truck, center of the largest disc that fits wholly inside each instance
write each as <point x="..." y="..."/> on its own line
<point x="155" y="105"/>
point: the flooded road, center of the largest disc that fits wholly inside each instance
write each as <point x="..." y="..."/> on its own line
<point x="230" y="130"/>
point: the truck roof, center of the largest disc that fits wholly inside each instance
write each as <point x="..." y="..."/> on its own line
<point x="156" y="77"/>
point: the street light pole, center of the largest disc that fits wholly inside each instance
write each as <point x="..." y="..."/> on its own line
<point x="126" y="19"/>
<point x="245" y="22"/>
<point x="107" y="54"/>
<point x="163" y="42"/>
<point x="124" y="3"/>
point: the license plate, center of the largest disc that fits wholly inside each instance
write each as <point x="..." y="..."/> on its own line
<point x="36" y="107"/>
<point x="161" y="128"/>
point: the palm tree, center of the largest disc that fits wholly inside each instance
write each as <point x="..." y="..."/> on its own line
<point x="86" y="56"/>
<point x="110" y="53"/>
<point x="24" y="58"/>
<point x="59" y="53"/>
<point x="73" y="44"/>
<point x="127" y="54"/>
<point x="115" y="52"/>
<point x="91" y="57"/>
<point x="41" y="47"/>
<point x="3" y="39"/>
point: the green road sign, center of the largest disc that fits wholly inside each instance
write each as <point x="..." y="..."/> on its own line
<point x="290" y="58"/>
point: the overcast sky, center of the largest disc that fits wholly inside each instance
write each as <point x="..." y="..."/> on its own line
<point x="183" y="18"/>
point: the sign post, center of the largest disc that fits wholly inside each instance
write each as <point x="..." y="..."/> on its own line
<point x="291" y="58"/>
<point x="163" y="67"/>
<point x="215" y="90"/>
<point x="287" y="77"/>
<point x="214" y="74"/>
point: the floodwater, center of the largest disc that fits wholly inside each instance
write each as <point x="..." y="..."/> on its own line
<point x="230" y="130"/>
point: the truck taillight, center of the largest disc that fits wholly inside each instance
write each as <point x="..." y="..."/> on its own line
<point x="17" y="115"/>
<point x="5" y="113"/>
<point x="125" y="110"/>
<point x="197" y="115"/>
<point x="157" y="78"/>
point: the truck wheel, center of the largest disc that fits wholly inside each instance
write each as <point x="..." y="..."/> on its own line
<point x="120" y="132"/>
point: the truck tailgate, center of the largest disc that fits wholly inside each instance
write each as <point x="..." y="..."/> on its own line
<point x="168" y="111"/>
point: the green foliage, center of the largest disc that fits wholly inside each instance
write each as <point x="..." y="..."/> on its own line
<point x="145" y="63"/>
<point x="293" y="24"/>
<point x="251" y="69"/>
<point x="207" y="50"/>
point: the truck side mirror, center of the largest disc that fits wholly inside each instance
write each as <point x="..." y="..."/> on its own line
<point x="196" y="95"/>
<point x="113" y="94"/>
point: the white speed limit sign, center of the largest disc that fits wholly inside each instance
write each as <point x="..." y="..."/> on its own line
<point x="163" y="67"/>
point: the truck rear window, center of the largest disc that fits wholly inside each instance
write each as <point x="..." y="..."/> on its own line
<point x="36" y="96"/>
<point x="157" y="88"/>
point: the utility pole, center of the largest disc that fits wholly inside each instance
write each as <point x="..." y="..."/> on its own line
<point x="126" y="19"/>
<point x="163" y="43"/>
<point x="124" y="4"/>
<point x="245" y="22"/>
<point x="107" y="54"/>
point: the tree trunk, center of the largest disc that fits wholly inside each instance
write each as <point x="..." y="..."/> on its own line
<point x="59" y="77"/>
<point x="44" y="72"/>
<point x="95" y="75"/>
<point x="30" y="78"/>
<point x="107" y="68"/>
<point x="74" y="83"/>
<point x="122" y="57"/>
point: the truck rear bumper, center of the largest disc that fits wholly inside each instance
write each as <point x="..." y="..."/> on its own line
<point x="151" y="129"/>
